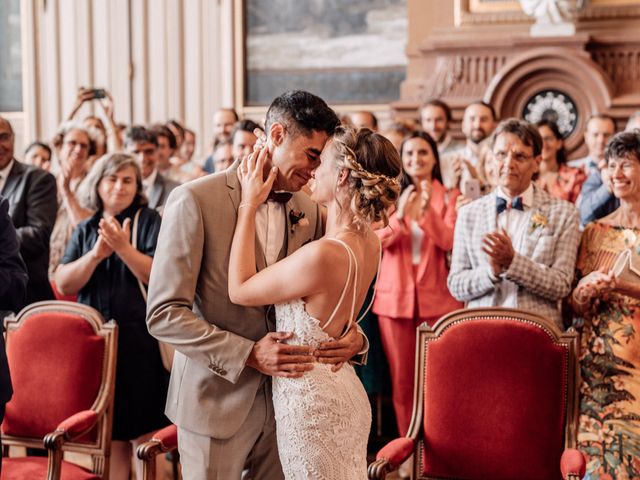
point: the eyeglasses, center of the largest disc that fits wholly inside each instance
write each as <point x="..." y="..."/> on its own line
<point x="73" y="144"/>
<point x="519" y="157"/>
<point x="5" y="137"/>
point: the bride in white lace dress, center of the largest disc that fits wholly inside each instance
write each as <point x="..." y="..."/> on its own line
<point x="322" y="417"/>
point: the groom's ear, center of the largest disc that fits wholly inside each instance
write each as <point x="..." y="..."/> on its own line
<point x="277" y="133"/>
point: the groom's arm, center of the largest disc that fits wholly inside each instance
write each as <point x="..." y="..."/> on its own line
<point x="172" y="286"/>
<point x="171" y="319"/>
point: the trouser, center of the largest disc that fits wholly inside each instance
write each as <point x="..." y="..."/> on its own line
<point x="398" y="337"/>
<point x="253" y="448"/>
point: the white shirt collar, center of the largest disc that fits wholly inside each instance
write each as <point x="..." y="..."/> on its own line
<point x="446" y="140"/>
<point x="527" y="195"/>
<point x="150" y="180"/>
<point x="4" y="174"/>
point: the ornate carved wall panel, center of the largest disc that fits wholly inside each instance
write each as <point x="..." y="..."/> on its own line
<point x="490" y="55"/>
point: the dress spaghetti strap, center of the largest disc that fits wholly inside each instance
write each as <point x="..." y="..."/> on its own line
<point x="352" y="259"/>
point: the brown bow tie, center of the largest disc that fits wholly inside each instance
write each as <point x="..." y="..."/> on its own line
<point x="280" y="197"/>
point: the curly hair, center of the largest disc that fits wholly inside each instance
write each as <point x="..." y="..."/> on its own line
<point x="374" y="168"/>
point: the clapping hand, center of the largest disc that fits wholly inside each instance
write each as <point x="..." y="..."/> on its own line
<point x="255" y="188"/>
<point x="101" y="249"/>
<point x="425" y="194"/>
<point x="116" y="236"/>
<point x="407" y="197"/>
<point x="594" y="285"/>
<point x="461" y="201"/>
<point x="497" y="245"/>
<point x="605" y="175"/>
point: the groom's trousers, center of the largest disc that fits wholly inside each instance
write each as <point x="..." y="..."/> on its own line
<point x="253" y="449"/>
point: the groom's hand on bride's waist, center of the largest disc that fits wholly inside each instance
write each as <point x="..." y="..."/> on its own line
<point x="271" y="357"/>
<point x="342" y="350"/>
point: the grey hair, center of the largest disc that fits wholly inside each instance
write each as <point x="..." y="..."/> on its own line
<point x="65" y="127"/>
<point x="106" y="165"/>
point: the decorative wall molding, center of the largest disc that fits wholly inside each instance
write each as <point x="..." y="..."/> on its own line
<point x="509" y="13"/>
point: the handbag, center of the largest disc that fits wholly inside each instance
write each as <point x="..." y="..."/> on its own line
<point x="166" y="351"/>
<point x="627" y="272"/>
<point x="627" y="266"/>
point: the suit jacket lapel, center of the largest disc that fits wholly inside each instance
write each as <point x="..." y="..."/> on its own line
<point x="156" y="191"/>
<point x="540" y="205"/>
<point x="491" y="214"/>
<point x="12" y="179"/>
<point x="290" y="236"/>
<point x="235" y="195"/>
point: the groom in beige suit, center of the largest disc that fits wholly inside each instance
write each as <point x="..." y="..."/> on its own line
<point x="220" y="389"/>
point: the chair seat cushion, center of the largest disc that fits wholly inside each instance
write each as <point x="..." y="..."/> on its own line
<point x="27" y="468"/>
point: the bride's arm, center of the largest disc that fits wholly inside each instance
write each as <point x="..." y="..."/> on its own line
<point x="294" y="277"/>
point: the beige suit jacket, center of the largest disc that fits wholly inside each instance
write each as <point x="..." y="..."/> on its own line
<point x="211" y="392"/>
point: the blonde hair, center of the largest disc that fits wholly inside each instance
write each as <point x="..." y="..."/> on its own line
<point x="374" y="167"/>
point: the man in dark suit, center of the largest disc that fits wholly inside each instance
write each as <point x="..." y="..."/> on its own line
<point x="13" y="286"/>
<point x="31" y="193"/>
<point x="143" y="144"/>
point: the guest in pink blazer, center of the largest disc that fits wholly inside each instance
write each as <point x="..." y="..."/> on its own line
<point x="412" y="287"/>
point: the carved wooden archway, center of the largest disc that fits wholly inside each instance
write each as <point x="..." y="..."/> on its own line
<point x="561" y="69"/>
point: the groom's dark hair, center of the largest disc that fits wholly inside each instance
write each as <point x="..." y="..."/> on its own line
<point x="301" y="113"/>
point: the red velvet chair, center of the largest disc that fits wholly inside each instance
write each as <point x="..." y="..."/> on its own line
<point x="496" y="398"/>
<point x="163" y="441"/>
<point x="62" y="358"/>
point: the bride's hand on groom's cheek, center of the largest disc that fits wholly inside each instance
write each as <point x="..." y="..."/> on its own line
<point x="272" y="357"/>
<point x="338" y="352"/>
<point x="255" y="186"/>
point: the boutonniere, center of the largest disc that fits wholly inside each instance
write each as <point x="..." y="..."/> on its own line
<point x="297" y="218"/>
<point x="537" y="220"/>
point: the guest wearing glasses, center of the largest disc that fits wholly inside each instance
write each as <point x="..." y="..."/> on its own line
<point x="515" y="247"/>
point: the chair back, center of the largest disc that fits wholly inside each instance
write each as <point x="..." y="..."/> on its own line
<point x="497" y="396"/>
<point x="62" y="360"/>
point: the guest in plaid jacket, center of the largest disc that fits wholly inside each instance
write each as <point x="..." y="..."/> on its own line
<point x="515" y="247"/>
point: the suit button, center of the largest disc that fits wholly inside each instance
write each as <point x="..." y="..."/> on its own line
<point x="222" y="372"/>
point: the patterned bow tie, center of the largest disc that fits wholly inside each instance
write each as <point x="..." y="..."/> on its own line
<point x="502" y="204"/>
<point x="280" y="197"/>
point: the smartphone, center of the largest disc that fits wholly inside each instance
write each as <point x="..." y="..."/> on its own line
<point x="98" y="93"/>
<point x="471" y="188"/>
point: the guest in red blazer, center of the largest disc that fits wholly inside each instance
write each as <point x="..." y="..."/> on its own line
<point x="412" y="287"/>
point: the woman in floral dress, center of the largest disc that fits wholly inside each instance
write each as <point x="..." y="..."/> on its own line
<point x="609" y="432"/>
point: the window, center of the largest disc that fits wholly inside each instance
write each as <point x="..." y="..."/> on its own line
<point x="10" y="57"/>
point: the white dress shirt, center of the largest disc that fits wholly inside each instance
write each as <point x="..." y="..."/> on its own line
<point x="147" y="183"/>
<point x="270" y="228"/>
<point x="4" y="173"/>
<point x="514" y="222"/>
<point x="417" y="237"/>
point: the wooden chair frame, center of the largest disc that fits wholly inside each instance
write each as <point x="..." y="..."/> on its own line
<point x="163" y="441"/>
<point x="57" y="442"/>
<point x="568" y="340"/>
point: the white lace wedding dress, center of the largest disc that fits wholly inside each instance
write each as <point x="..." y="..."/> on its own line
<point x="322" y="419"/>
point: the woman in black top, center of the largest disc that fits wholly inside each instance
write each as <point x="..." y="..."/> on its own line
<point x="107" y="272"/>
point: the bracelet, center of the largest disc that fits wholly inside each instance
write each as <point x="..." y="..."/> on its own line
<point x="247" y="204"/>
